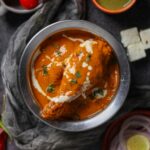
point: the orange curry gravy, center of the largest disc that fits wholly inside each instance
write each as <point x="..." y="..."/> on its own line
<point x="76" y="75"/>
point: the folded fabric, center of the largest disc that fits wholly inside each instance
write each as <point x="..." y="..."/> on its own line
<point x="28" y="132"/>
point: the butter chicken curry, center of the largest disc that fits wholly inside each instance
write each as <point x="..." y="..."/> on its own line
<point x="74" y="75"/>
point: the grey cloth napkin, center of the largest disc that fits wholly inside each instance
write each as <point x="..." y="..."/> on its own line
<point x="27" y="131"/>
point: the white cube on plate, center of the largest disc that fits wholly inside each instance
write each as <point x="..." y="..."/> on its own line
<point x="145" y="37"/>
<point x="130" y="36"/>
<point x="136" y="51"/>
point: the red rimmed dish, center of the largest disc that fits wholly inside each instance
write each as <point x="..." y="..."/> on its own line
<point x="115" y="126"/>
<point x="124" y="8"/>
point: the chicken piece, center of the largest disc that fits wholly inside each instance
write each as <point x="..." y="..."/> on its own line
<point x="84" y="69"/>
<point x="54" y="110"/>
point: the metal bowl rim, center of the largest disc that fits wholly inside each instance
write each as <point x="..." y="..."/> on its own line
<point x="113" y="107"/>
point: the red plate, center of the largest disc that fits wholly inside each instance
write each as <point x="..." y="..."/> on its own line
<point x="114" y="127"/>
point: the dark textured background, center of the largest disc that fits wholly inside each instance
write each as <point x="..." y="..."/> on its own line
<point x="138" y="16"/>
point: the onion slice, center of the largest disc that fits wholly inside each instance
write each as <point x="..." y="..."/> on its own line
<point x="134" y="125"/>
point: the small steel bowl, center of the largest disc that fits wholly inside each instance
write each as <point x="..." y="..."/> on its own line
<point x="15" y="7"/>
<point x="117" y="101"/>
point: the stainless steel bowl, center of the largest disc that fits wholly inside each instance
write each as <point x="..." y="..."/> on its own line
<point x="119" y="98"/>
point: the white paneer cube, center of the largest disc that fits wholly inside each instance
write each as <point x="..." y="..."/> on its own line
<point x="130" y="36"/>
<point x="136" y="51"/>
<point x="145" y="37"/>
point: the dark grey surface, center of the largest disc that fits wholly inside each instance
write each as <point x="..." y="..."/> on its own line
<point x="8" y="24"/>
<point x="138" y="16"/>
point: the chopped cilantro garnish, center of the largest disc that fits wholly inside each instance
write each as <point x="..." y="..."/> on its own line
<point x="45" y="71"/>
<point x="88" y="57"/>
<point x="98" y="92"/>
<point x="58" y="53"/>
<point x="5" y="129"/>
<point x="50" y="88"/>
<point x="74" y="81"/>
<point x="78" y="74"/>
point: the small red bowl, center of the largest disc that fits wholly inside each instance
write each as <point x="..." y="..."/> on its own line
<point x="115" y="126"/>
<point x="114" y="11"/>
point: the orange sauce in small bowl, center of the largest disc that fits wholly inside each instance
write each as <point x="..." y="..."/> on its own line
<point x="114" y="6"/>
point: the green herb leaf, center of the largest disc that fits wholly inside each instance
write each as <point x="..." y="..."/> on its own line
<point x="1" y="121"/>
<point x="5" y="129"/>
<point x="78" y="74"/>
<point x="88" y="57"/>
<point x="50" y="88"/>
<point x="58" y="53"/>
<point x="74" y="81"/>
<point x="45" y="71"/>
<point x="97" y="92"/>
